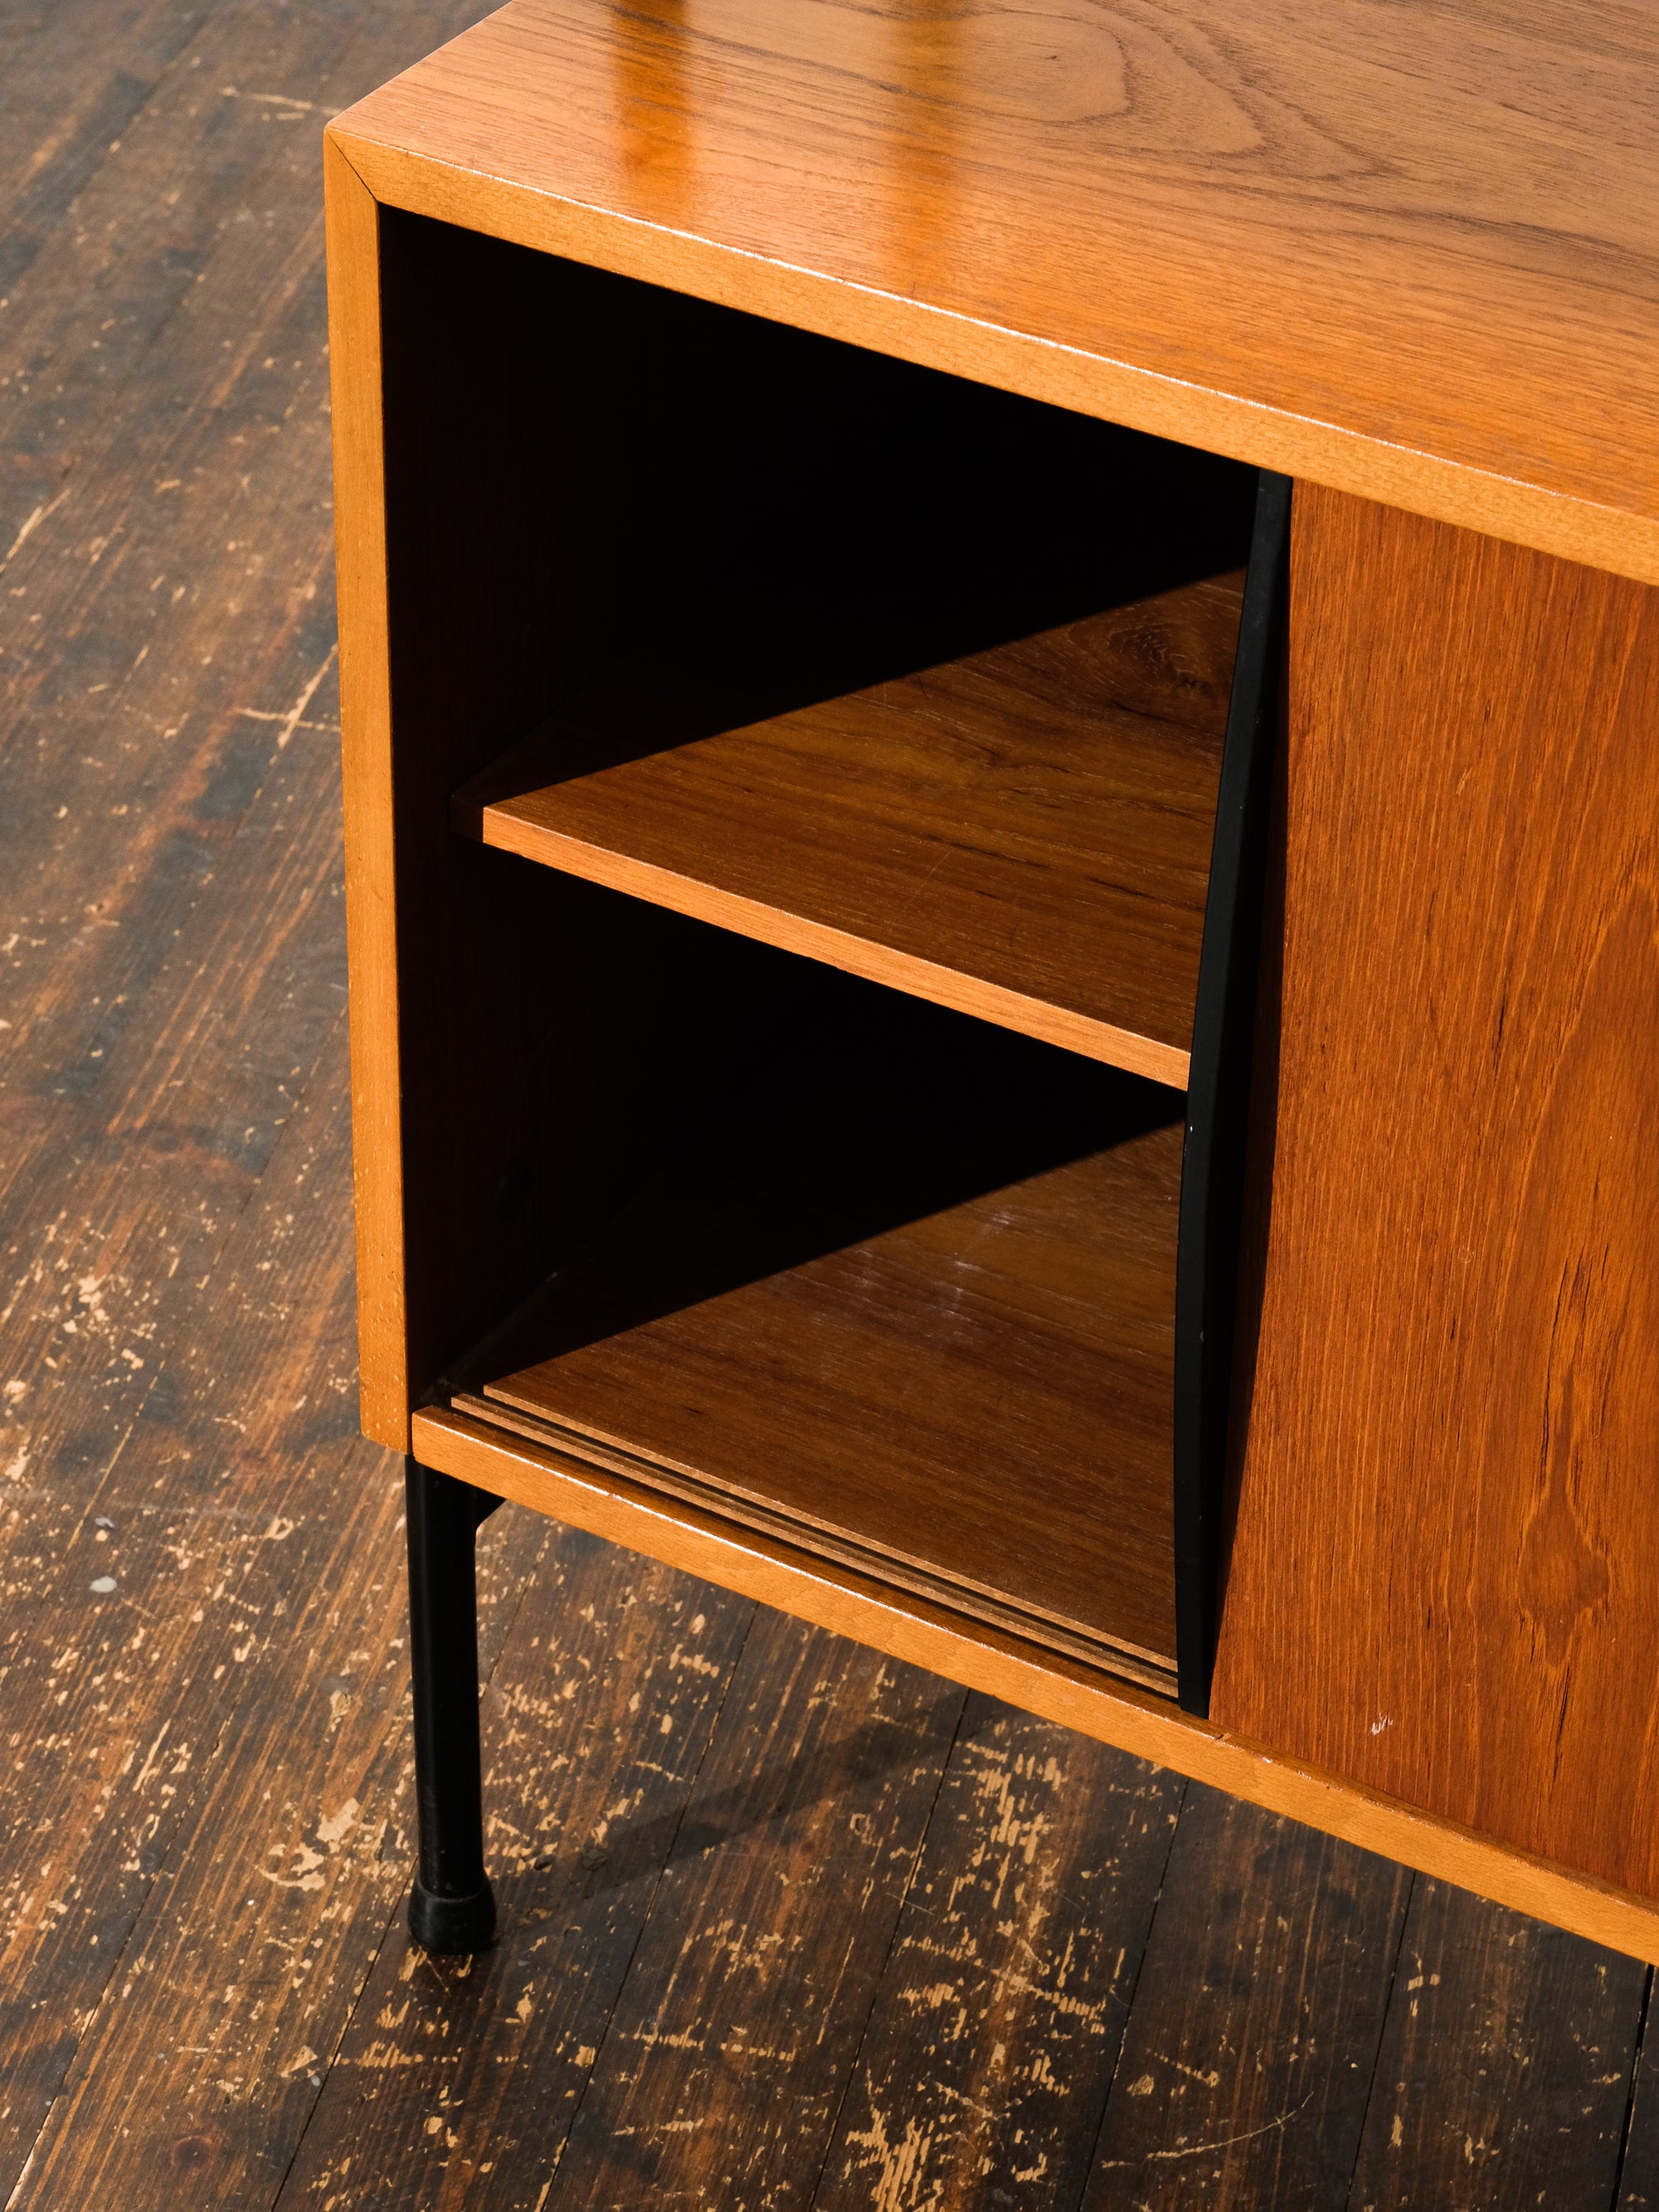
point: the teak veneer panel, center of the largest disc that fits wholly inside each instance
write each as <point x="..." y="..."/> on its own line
<point x="1447" y="1548"/>
<point x="1024" y="833"/>
<point x="360" y="560"/>
<point x="1407" y="253"/>
<point x="910" y="1282"/>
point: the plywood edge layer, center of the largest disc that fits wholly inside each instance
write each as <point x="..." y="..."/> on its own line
<point x="354" y="321"/>
<point x="983" y="1658"/>
<point x="820" y="1537"/>
<point x="1528" y="514"/>
<point x="499" y="826"/>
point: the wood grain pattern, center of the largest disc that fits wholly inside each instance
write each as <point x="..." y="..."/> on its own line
<point x="1248" y="2058"/>
<point x="910" y="1279"/>
<point x="1452" y="1473"/>
<point x="596" y="1723"/>
<point x="1461" y="2112"/>
<point x="1405" y="254"/>
<point x="1024" y="833"/>
<point x="771" y="1931"/>
<point x="1002" y="2011"/>
<point x="1044" y="1682"/>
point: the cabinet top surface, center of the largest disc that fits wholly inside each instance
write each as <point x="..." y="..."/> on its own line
<point x="1410" y="250"/>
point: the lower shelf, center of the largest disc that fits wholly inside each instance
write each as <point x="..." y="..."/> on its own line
<point x="1083" y="1697"/>
<point x="904" y="1297"/>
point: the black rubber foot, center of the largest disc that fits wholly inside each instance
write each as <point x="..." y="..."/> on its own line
<point x="446" y="1925"/>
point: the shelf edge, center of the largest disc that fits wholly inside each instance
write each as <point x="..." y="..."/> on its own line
<point x="1127" y="1662"/>
<point x="508" y="832"/>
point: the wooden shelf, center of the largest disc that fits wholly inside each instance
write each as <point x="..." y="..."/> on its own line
<point x="1023" y="833"/>
<point x="923" y="680"/>
<point x="906" y="1294"/>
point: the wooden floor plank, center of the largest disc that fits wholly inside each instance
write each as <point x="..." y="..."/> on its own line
<point x="458" y="2080"/>
<point x="73" y="77"/>
<point x="997" y="2026"/>
<point x="173" y="969"/>
<point x="123" y="1625"/>
<point x="168" y="984"/>
<point x="238" y="1840"/>
<point x="724" y="2068"/>
<point x="1504" y="2073"/>
<point x="106" y="1300"/>
<point x="106" y="1244"/>
<point x="1247" y="2057"/>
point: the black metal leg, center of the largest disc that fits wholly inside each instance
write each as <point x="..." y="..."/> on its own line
<point x="451" y="1907"/>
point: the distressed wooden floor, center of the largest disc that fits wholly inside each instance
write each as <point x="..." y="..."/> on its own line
<point x="785" y="1923"/>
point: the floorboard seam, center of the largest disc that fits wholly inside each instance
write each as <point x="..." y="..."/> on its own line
<point x="24" y="2171"/>
<point x="1406" y="1903"/>
<point x="1128" y="2002"/>
<point x="346" y="2025"/>
<point x="1629" y="2092"/>
<point x="651" y="1906"/>
<point x="887" y="1956"/>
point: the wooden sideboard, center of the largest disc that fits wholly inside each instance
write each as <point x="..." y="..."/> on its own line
<point x="1001" y="708"/>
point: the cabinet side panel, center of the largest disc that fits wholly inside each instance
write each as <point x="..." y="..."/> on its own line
<point x="1447" y="1546"/>
<point x="353" y="319"/>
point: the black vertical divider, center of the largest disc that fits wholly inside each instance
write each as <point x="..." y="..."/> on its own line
<point x="1217" y="1098"/>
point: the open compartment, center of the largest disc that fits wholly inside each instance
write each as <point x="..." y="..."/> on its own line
<point x="923" y="679"/>
<point x="901" y="1287"/>
<point x="829" y="1131"/>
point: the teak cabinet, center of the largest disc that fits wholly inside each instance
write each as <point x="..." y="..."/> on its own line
<point x="1002" y="796"/>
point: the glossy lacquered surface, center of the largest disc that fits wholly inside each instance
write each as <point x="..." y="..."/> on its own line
<point x="1407" y="252"/>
